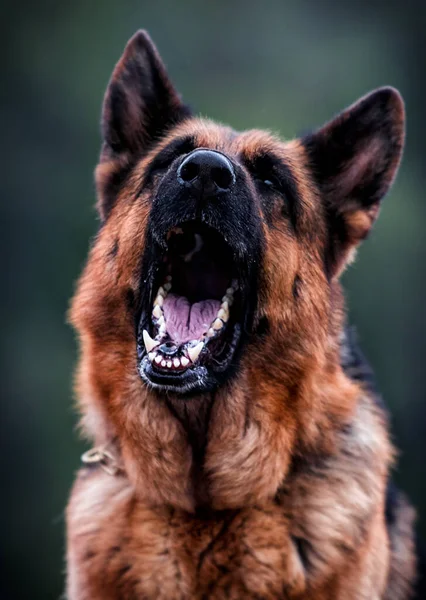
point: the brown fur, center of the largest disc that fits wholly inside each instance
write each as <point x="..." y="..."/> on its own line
<point x="274" y="485"/>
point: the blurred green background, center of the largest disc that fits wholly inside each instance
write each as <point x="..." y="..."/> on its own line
<point x="283" y="65"/>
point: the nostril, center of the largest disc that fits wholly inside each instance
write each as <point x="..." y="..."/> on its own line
<point x="189" y="170"/>
<point x="222" y="176"/>
<point x="206" y="171"/>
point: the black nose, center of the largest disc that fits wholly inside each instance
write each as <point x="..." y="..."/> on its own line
<point x="207" y="171"/>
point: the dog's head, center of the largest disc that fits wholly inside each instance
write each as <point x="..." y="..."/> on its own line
<point x="219" y="252"/>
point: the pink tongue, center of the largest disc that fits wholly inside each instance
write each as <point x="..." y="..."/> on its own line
<point x="185" y="321"/>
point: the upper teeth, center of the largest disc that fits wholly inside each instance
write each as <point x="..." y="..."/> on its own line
<point x="174" y="231"/>
<point x="228" y="298"/>
<point x="150" y="344"/>
<point x="157" y="312"/>
<point x="217" y="324"/>
<point x="223" y="314"/>
<point x="194" y="352"/>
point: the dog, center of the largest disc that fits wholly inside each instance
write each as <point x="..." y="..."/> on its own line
<point x="240" y="447"/>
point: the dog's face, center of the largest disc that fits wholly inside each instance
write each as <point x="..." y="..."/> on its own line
<point x="219" y="251"/>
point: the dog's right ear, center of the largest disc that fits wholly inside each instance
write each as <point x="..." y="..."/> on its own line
<point x="140" y="102"/>
<point x="140" y="106"/>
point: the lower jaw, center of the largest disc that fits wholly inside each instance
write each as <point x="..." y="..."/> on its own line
<point x="205" y="376"/>
<point x="188" y="382"/>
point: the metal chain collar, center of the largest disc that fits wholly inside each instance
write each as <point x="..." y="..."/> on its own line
<point x="100" y="455"/>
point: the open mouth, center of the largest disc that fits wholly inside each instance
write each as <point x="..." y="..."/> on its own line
<point x="192" y="327"/>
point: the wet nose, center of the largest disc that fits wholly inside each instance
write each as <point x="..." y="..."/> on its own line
<point x="206" y="171"/>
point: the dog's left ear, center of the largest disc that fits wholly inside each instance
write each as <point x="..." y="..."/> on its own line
<point x="354" y="159"/>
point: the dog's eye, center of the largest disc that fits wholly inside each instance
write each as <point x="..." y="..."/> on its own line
<point x="264" y="173"/>
<point x="165" y="158"/>
<point x="271" y="182"/>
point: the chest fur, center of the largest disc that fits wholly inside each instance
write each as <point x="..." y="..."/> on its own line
<point x="143" y="552"/>
<point x="121" y="548"/>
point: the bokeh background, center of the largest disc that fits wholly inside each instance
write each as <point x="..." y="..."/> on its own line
<point x="284" y="65"/>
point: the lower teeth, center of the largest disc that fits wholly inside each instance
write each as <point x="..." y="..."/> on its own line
<point x="193" y="351"/>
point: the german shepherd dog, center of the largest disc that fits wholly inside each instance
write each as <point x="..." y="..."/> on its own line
<point x="240" y="449"/>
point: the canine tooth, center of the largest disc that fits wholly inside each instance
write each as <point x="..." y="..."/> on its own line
<point x="176" y="362"/>
<point x="217" y="324"/>
<point x="158" y="359"/>
<point x="223" y="314"/>
<point x="159" y="300"/>
<point x="167" y="286"/>
<point x="163" y="363"/>
<point x="157" y="312"/>
<point x="150" y="344"/>
<point x="152" y="355"/>
<point x="211" y="332"/>
<point x="169" y="363"/>
<point x="184" y="361"/>
<point x="194" y="352"/>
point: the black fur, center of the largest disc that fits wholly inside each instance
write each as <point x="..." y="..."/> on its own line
<point x="266" y="167"/>
<point x="164" y="159"/>
<point x="108" y="190"/>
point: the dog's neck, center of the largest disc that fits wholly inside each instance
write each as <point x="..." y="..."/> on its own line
<point x="234" y="447"/>
<point x="194" y="416"/>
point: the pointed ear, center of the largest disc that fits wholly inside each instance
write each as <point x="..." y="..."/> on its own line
<point x="140" y="102"/>
<point x="140" y="106"/>
<point x="354" y="159"/>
